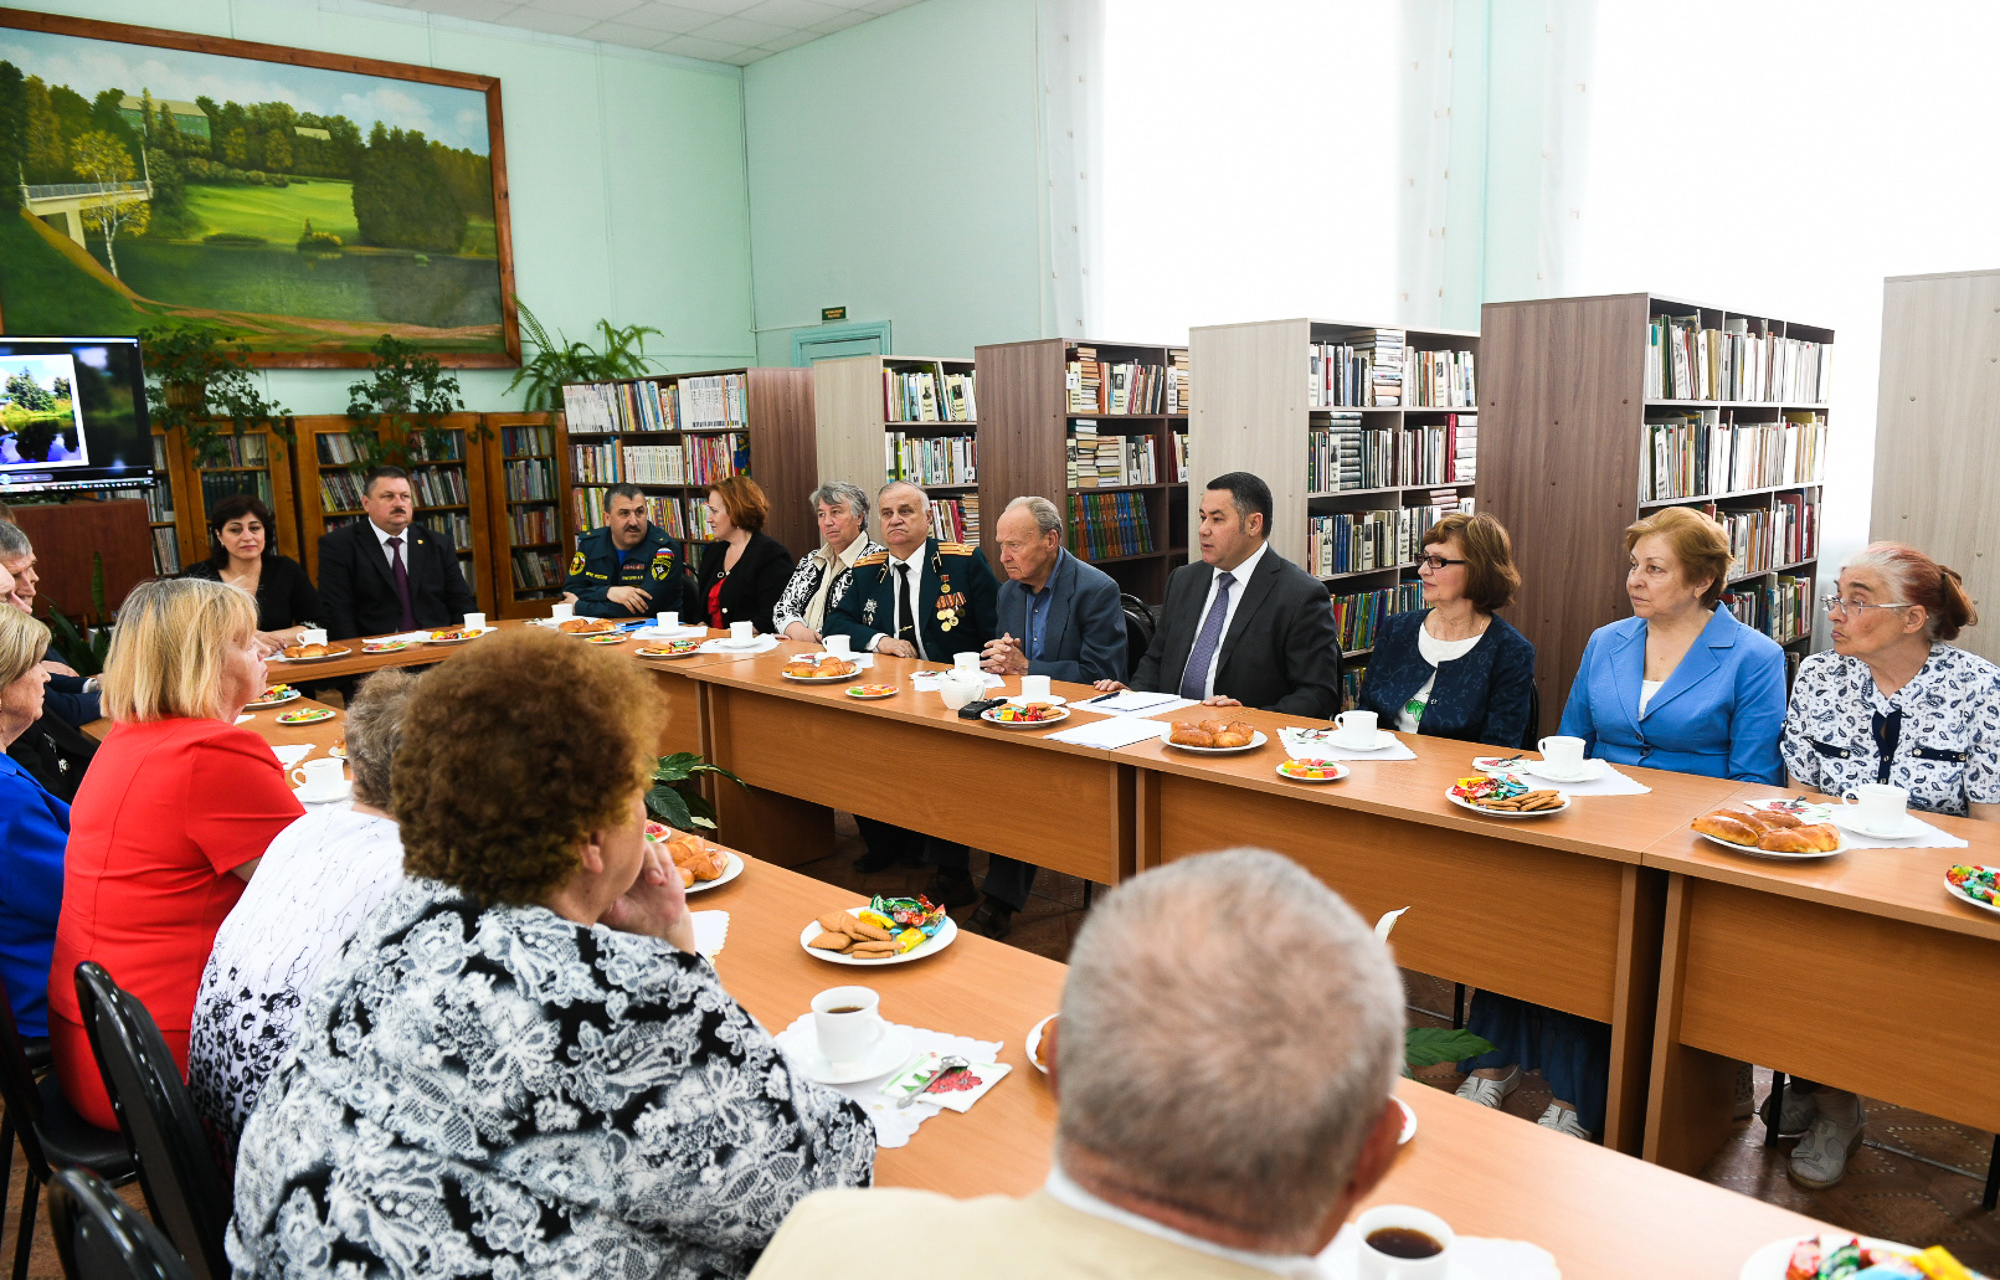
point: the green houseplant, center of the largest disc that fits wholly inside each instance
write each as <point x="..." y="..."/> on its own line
<point x="81" y="648"/>
<point x="398" y="410"/>
<point x="557" y="362"/>
<point x="675" y="797"/>
<point x="199" y="382"/>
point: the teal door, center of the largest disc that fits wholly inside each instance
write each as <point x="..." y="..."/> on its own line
<point x="868" y="338"/>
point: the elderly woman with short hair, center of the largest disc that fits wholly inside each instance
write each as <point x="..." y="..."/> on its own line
<point x="822" y="575"/>
<point x="34" y="827"/>
<point x="519" y="1066"/>
<point x="318" y="881"/>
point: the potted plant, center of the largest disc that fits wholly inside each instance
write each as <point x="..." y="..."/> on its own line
<point x="76" y="643"/>
<point x="675" y="797"/>
<point x="197" y="380"/>
<point x="398" y="410"/>
<point x="558" y="362"/>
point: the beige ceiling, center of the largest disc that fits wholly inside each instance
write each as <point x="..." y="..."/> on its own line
<point x="738" y="31"/>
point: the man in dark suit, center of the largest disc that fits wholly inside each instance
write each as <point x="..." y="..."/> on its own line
<point x="1244" y="626"/>
<point x="386" y="574"/>
<point x="69" y="697"/>
<point x="1060" y="618"/>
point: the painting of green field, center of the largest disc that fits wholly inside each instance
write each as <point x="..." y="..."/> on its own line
<point x="275" y="214"/>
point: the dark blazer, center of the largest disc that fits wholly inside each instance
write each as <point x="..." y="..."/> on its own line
<point x="1720" y="713"/>
<point x="65" y="699"/>
<point x="751" y="590"/>
<point x="1282" y="652"/>
<point x="1481" y="697"/>
<point x="1083" y="636"/>
<point x="285" y="595"/>
<point x="868" y="610"/>
<point x="357" y="597"/>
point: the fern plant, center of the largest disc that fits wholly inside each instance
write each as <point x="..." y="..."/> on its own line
<point x="557" y="362"/>
<point x="675" y="797"/>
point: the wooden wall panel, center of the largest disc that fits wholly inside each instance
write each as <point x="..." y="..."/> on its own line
<point x="1250" y="414"/>
<point x="1023" y="422"/>
<point x="847" y="422"/>
<point x="66" y="536"/>
<point x="783" y="457"/>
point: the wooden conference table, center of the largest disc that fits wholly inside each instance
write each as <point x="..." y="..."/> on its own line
<point x="1488" y="1174"/>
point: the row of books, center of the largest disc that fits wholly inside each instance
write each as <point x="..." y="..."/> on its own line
<point x="217" y="485"/>
<point x="1363" y="541"/>
<point x="1440" y="380"/>
<point x="449" y="446"/>
<point x="1099" y="386"/>
<point x="928" y="395"/>
<point x="533" y="524"/>
<point x="520" y="442"/>
<point x="455" y="525"/>
<point x="713" y="402"/>
<point x="931" y="459"/>
<point x="1343" y="455"/>
<point x="166" y="551"/>
<point x="1103" y="461"/>
<point x="530" y="479"/>
<point x="239" y="451"/>
<point x="1177" y="457"/>
<point x="1364" y="371"/>
<point x="1688" y="362"/>
<point x="1693" y="453"/>
<point x="679" y="517"/>
<point x="1351" y="674"/>
<point x="1786" y="533"/>
<point x="1781" y="610"/>
<point x="1359" y="616"/>
<point x="336" y="450"/>
<point x="537" y="570"/>
<point x="1109" y="524"/>
<point x="955" y="519"/>
<point x="436" y="486"/>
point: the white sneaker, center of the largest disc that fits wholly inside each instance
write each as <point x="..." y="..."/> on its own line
<point x="1563" y="1120"/>
<point x="1490" y="1093"/>
<point x="1820" y="1159"/>
<point x="1800" y="1109"/>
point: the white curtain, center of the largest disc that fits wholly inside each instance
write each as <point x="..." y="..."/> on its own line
<point x="1071" y="36"/>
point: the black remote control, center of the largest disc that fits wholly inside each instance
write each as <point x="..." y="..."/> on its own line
<point x="971" y="710"/>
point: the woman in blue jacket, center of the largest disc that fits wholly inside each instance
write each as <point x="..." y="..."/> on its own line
<point x="1453" y="669"/>
<point x="1680" y="685"/>
<point x="34" y="828"/>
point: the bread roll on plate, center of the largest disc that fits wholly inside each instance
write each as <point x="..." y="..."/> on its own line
<point x="1726" y="825"/>
<point x="1191" y="735"/>
<point x="1812" y="837"/>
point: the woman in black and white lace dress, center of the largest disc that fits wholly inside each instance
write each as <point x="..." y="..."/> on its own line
<point x="519" y="1066"/>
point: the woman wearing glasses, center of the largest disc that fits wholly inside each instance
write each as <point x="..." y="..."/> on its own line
<point x="1453" y="669"/>
<point x="1891" y="703"/>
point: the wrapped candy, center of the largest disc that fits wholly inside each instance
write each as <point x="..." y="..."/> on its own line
<point x="1976" y="881"/>
<point x="900" y="914"/>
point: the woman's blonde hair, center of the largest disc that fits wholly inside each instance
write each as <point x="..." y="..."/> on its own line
<point x="1698" y="543"/>
<point x="23" y="641"/>
<point x="170" y="648"/>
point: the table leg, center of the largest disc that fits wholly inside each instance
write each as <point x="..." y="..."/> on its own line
<point x="1692" y="1092"/>
<point x="761" y="822"/>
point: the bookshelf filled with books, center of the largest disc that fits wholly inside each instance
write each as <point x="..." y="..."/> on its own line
<point x="675" y="434"/>
<point x="256" y="461"/>
<point x="1607" y="409"/>
<point x="1101" y="428"/>
<point x="1367" y="435"/>
<point x="880" y="418"/>
<point x="164" y="501"/>
<point x="531" y="522"/>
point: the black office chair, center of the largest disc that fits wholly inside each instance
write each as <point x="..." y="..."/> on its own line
<point x="1138" y="631"/>
<point x="1531" y="737"/>
<point x="177" y="1168"/>
<point x="52" y="1136"/>
<point x="99" y="1237"/>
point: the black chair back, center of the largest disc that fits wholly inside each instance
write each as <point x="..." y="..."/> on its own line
<point x="24" y="1102"/>
<point x="177" y="1169"/>
<point x="1138" y="631"/>
<point x="99" y="1237"/>
<point x="1531" y="740"/>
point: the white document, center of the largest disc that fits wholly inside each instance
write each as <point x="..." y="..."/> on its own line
<point x="291" y="754"/>
<point x="1130" y="702"/>
<point x="1110" y="733"/>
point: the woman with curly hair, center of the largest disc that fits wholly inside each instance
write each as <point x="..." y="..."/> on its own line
<point x="520" y="1066"/>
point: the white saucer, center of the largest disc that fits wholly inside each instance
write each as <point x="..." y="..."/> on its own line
<point x="730" y="643"/>
<point x="334" y="796"/>
<point x="1034" y="1043"/>
<point x="1409" y="1122"/>
<point x="1837" y="814"/>
<point x="1771" y="1261"/>
<point x="1968" y="899"/>
<point x="1054" y="700"/>
<point x="1591" y="771"/>
<point x="1383" y="741"/>
<point x="889" y="1053"/>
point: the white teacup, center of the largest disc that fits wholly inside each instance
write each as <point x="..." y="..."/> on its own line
<point x="839" y="646"/>
<point x="1878" y="807"/>
<point x="848" y="1021"/>
<point x="742" y="632"/>
<point x="1562" y="756"/>
<point x="561" y="612"/>
<point x="667" y="620"/>
<point x="321" y="778"/>
<point x="1398" y="1231"/>
<point x="475" y="622"/>
<point x="1358" y="728"/>
<point x="312" y="635"/>
<point x="1035" y="688"/>
<point x="965" y="661"/>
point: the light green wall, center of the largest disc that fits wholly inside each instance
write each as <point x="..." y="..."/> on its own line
<point x="625" y="173"/>
<point x="895" y="170"/>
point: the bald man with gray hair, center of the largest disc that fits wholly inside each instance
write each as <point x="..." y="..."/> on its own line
<point x="1230" y="1034"/>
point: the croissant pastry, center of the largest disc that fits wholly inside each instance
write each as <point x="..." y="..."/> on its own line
<point x="1724" y="825"/>
<point x="1813" y="837"/>
<point x="1188" y="735"/>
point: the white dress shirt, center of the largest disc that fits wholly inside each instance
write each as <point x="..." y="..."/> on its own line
<point x="1297" y="1266"/>
<point x="389" y="552"/>
<point x="916" y="576"/>
<point x="1241" y="573"/>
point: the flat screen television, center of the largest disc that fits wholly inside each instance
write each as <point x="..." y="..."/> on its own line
<point x="73" y="415"/>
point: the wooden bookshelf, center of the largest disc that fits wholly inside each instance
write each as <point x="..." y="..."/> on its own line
<point x="259" y="461"/>
<point x="1027" y="421"/>
<point x="173" y="547"/>
<point x="329" y="483"/>
<point x="1567" y="398"/>
<point x="530" y="524"/>
<point x="772" y="421"/>
<point x="861" y="408"/>
<point x="1263" y="404"/>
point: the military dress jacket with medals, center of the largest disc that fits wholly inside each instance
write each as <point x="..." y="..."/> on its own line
<point x="953" y="606"/>
<point x="655" y="566"/>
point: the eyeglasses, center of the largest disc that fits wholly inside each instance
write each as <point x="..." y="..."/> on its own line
<point x="1834" y="604"/>
<point x="1436" y="563"/>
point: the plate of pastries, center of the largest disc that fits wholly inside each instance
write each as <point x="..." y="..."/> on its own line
<point x="275" y="696"/>
<point x="703" y="864"/>
<point x="820" y="668"/>
<point x="669" y="649"/>
<point x="586" y="626"/>
<point x="455" y="635"/>
<point x="1771" y="829"/>
<point x="311" y="652"/>
<point x="886" y="931"/>
<point x="1217" y="737"/>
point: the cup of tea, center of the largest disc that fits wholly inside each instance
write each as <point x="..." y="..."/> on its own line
<point x="965" y="661"/>
<point x="312" y="635"/>
<point x="1357" y="727"/>
<point x="1562" y="756"/>
<point x="561" y="611"/>
<point x="320" y="779"/>
<point x="1035" y="688"/>
<point x="1878" y="807"/>
<point x="1402" y="1242"/>
<point x="742" y="632"/>
<point x="848" y="1022"/>
<point x="839" y="646"/>
<point x="667" y="620"/>
<point x="475" y="622"/>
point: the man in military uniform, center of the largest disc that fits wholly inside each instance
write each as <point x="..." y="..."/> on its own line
<point x="629" y="568"/>
<point x="921" y="598"/>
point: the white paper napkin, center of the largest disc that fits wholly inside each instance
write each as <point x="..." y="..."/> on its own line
<point x="1608" y="782"/>
<point x="1472" y="1258"/>
<point x="927" y="681"/>
<point x="764" y="645"/>
<point x="893" y="1124"/>
<point x="292" y="753"/>
<point x="711" y="930"/>
<point x="1318" y="744"/>
<point x="1109" y="733"/>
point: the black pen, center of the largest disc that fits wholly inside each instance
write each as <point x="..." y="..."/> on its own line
<point x="1100" y="697"/>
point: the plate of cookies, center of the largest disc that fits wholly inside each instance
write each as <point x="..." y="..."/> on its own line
<point x="1772" y="829"/>
<point x="1212" y="737"/>
<point x="886" y="931"/>
<point x="1505" y="795"/>
<point x="669" y="649"/>
<point x="820" y="668"/>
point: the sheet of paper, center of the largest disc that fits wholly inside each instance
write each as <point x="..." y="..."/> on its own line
<point x="711" y="930"/>
<point x="292" y="753"/>
<point x="1109" y="733"/>
<point x="1131" y="702"/>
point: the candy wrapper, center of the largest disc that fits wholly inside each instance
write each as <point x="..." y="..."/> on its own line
<point x="1499" y="786"/>
<point x="1978" y="882"/>
<point x="954" y="1091"/>
<point x="900" y="914"/>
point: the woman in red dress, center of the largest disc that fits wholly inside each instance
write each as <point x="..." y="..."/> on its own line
<point x="171" y="819"/>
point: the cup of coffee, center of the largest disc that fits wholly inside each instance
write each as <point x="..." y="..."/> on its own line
<point x="475" y="622"/>
<point x="1402" y="1242"/>
<point x="1878" y="806"/>
<point x="561" y="612"/>
<point x="312" y="635"/>
<point x="848" y="1022"/>
<point x="839" y="646"/>
<point x="1035" y="688"/>
<point x="667" y="620"/>
<point x="742" y="632"/>
<point x="1562" y="756"/>
<point x="1358" y="727"/>
<point x="965" y="661"/>
<point x="320" y="779"/>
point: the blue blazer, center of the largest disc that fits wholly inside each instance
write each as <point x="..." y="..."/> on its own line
<point x="1481" y="697"/>
<point x="34" y="829"/>
<point x="1719" y="714"/>
<point x="1083" y="636"/>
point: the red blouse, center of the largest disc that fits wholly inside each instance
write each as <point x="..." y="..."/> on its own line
<point x="715" y="603"/>
<point x="167" y="810"/>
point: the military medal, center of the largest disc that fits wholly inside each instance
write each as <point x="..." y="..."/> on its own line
<point x="947" y="612"/>
<point x="868" y="612"/>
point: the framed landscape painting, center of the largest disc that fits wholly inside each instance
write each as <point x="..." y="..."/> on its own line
<point x="306" y="203"/>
